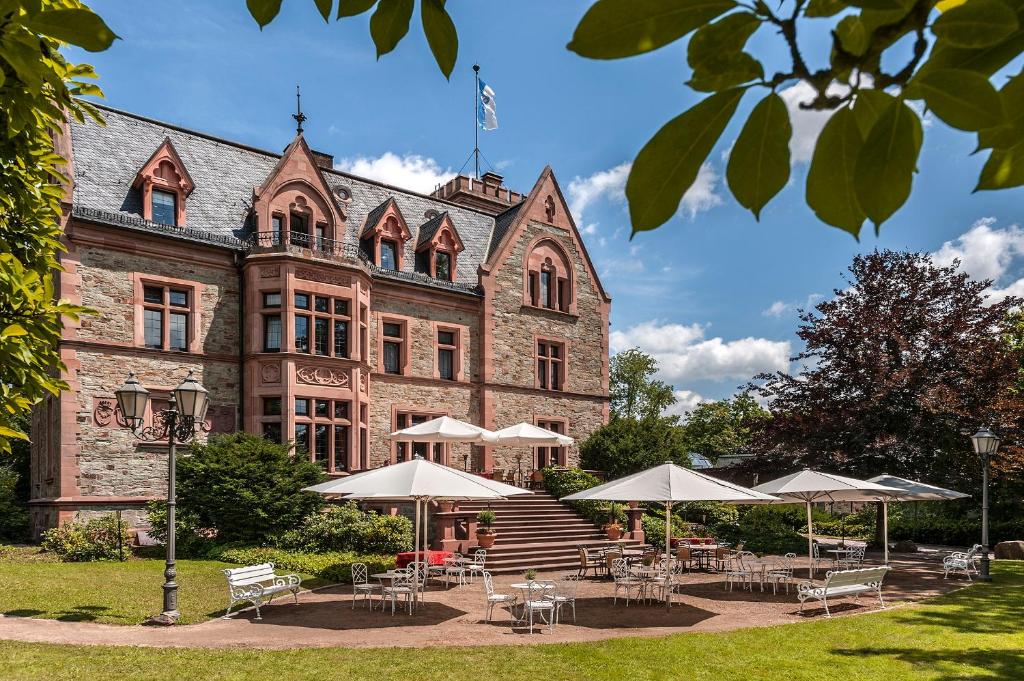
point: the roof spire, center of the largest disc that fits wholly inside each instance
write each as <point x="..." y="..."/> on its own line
<point x="299" y="117"/>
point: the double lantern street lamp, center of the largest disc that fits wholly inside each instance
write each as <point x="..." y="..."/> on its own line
<point x="985" y="444"/>
<point x="177" y="423"/>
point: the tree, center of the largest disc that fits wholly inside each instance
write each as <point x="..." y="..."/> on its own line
<point x="723" y="427"/>
<point x="247" y="488"/>
<point x="900" y="366"/>
<point x="38" y="88"/>
<point x="880" y="55"/>
<point x="627" y="445"/>
<point x="634" y="393"/>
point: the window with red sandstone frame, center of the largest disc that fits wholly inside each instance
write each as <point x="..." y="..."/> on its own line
<point x="550" y="365"/>
<point x="166" y="312"/>
<point x="551" y="456"/>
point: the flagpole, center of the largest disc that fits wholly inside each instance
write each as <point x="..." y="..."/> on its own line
<point x="476" y="119"/>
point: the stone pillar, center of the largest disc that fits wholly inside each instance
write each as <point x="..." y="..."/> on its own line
<point x="634" y="523"/>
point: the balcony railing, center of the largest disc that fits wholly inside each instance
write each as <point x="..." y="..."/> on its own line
<point x="301" y="242"/>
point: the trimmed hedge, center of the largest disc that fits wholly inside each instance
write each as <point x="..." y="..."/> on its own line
<point x="335" y="566"/>
<point x="560" y="482"/>
<point x="345" y="528"/>
<point x="101" y="538"/>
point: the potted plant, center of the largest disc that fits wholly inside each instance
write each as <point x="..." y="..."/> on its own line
<point x="485" y="534"/>
<point x="612" y="528"/>
<point x="530" y="575"/>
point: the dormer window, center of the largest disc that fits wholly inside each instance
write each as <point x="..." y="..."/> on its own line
<point x="384" y="236"/>
<point x="164" y="207"/>
<point x="438" y="247"/>
<point x="164" y="184"/>
<point x="388" y="255"/>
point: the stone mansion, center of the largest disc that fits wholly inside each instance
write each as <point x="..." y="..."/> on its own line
<point x="317" y="308"/>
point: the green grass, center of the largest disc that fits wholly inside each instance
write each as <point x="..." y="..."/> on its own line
<point x="974" y="633"/>
<point x="31" y="585"/>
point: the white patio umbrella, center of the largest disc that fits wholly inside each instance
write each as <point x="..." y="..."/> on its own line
<point x="529" y="435"/>
<point x="419" y="481"/>
<point x="809" y="486"/>
<point x="669" y="484"/>
<point x="909" y="490"/>
<point x="444" y="429"/>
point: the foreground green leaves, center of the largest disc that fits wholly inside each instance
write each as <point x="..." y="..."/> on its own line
<point x="759" y="162"/>
<point x="668" y="164"/>
<point x="830" y="190"/>
<point x="884" y="172"/>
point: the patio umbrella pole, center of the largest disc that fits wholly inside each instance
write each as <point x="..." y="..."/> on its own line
<point x="668" y="555"/>
<point x="810" y="540"/>
<point x="426" y="547"/>
<point x="885" y="529"/>
<point x="416" y="551"/>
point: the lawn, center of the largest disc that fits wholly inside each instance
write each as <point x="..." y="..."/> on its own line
<point x="109" y="592"/>
<point x="973" y="633"/>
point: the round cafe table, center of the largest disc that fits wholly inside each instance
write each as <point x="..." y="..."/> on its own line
<point x="525" y="588"/>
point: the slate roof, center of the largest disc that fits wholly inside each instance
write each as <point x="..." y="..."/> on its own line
<point x="502" y="222"/>
<point x="374" y="216"/>
<point x="107" y="159"/>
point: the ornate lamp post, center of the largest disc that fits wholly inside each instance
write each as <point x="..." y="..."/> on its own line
<point x="985" y="444"/>
<point x="178" y="423"/>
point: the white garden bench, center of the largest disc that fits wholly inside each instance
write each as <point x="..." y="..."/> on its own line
<point x="258" y="584"/>
<point x="961" y="561"/>
<point x="841" y="583"/>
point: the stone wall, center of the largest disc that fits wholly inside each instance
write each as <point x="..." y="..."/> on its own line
<point x="582" y="415"/>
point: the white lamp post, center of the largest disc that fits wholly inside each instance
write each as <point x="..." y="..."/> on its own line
<point x="178" y="423"/>
<point x="985" y="443"/>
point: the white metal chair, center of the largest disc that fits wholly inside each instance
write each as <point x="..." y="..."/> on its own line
<point x="422" y="572"/>
<point x="782" y="573"/>
<point x="816" y="558"/>
<point x="564" y="594"/>
<point x="536" y="602"/>
<point x="361" y="585"/>
<point x="854" y="559"/>
<point x="739" y="570"/>
<point x="660" y="585"/>
<point x="455" y="567"/>
<point x="961" y="561"/>
<point x="477" y="566"/>
<point x="495" y="599"/>
<point x="401" y="586"/>
<point x="625" y="581"/>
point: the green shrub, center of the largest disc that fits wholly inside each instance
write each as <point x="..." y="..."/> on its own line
<point x="346" y="528"/>
<point x="565" y="481"/>
<point x="93" y="539"/>
<point x="654" y="528"/>
<point x="14" y="486"/>
<point x="247" y="488"/>
<point x="763" y="529"/>
<point x="334" y="566"/>
<point x="191" y="541"/>
<point x="627" y="445"/>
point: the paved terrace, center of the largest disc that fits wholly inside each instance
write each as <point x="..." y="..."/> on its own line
<point x="455" y="617"/>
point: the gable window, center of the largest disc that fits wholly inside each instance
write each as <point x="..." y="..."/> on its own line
<point x="388" y="255"/>
<point x="165" y="207"/>
<point x="392" y="347"/>
<point x="276" y="228"/>
<point x="550" y="365"/>
<point x="299" y="229"/>
<point x="545" y="288"/>
<point x="166" y="312"/>
<point x="551" y="456"/>
<point x="549" y="278"/>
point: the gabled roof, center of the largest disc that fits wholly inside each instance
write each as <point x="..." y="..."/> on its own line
<point x="374" y="216"/>
<point x="168" y="147"/>
<point x="430" y="227"/>
<point x="502" y="222"/>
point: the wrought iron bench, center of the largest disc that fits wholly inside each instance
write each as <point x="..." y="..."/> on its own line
<point x="258" y="584"/>
<point x="841" y="583"/>
<point x="961" y="561"/>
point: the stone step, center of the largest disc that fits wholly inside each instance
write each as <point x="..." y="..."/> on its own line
<point x="556" y="531"/>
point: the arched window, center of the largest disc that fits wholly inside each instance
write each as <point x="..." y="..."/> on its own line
<point x="549" y="277"/>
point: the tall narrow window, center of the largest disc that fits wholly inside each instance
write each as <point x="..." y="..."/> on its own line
<point x="321" y="444"/>
<point x="322" y="336"/>
<point x="550" y="365"/>
<point x="154" y="328"/>
<point x="443" y="266"/>
<point x="392" y="347"/>
<point x="545" y="288"/>
<point x="276" y="228"/>
<point x="341" y="448"/>
<point x="533" y="288"/>
<point x="563" y="294"/>
<point x="446" y="355"/>
<point x="165" y="207"/>
<point x="388" y="255"/>
<point x="299" y="229"/>
<point x="321" y="232"/>
<point x="179" y="331"/>
<point x="302" y="438"/>
<point x="340" y="338"/>
<point x="272" y="333"/>
<point x="301" y="333"/>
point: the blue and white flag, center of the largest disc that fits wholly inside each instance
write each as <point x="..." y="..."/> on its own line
<point x="486" y="113"/>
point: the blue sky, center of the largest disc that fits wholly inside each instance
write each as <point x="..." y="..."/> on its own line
<point x="713" y="293"/>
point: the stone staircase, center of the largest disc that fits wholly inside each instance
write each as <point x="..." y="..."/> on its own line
<point x="537" y="531"/>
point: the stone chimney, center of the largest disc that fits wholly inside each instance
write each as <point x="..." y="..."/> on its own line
<point x="323" y="160"/>
<point x="487" y="194"/>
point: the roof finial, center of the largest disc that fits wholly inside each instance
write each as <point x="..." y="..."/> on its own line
<point x="299" y="117"/>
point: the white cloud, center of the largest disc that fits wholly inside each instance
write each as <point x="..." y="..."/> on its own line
<point x="986" y="252"/>
<point x="781" y="307"/>
<point x="611" y="185"/>
<point x="684" y="354"/>
<point x="417" y="173"/>
<point x="589" y="228"/>
<point x="686" y="401"/>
